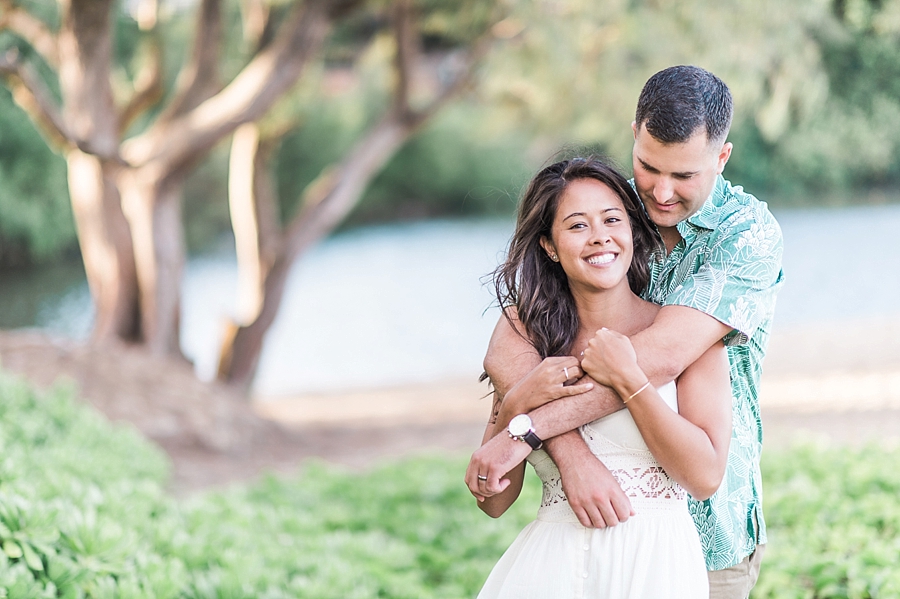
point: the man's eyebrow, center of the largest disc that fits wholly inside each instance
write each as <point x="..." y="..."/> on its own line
<point x="656" y="170"/>
<point x="647" y="167"/>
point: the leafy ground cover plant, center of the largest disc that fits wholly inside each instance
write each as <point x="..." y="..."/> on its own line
<point x="84" y="513"/>
<point x="834" y="523"/>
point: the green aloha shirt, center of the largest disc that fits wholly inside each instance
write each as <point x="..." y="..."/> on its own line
<point x="728" y="265"/>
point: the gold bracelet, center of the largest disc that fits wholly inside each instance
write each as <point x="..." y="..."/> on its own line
<point x="630" y="397"/>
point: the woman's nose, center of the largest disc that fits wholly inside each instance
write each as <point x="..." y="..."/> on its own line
<point x="600" y="236"/>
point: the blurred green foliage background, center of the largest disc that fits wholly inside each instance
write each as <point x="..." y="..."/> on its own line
<point x="816" y="84"/>
<point x="84" y="513"/>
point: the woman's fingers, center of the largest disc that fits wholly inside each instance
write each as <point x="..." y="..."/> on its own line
<point x="562" y="369"/>
<point x="572" y="373"/>
<point x="570" y="390"/>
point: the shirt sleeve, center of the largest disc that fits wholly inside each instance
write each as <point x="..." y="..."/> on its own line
<point x="738" y="282"/>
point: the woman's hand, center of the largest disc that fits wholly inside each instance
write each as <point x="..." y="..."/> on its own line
<point x="545" y="383"/>
<point x="610" y="360"/>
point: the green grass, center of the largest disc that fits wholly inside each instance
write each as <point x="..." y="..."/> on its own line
<point x="84" y="513"/>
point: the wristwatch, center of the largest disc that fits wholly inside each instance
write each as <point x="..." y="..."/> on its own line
<point x="522" y="429"/>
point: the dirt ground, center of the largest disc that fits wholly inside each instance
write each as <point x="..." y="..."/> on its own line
<point x="840" y="384"/>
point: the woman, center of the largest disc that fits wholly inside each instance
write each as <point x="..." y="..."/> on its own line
<point x="576" y="262"/>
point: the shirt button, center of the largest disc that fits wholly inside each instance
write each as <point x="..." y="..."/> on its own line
<point x="586" y="547"/>
<point x="585" y="574"/>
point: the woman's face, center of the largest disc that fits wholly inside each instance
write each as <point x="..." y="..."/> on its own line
<point x="591" y="236"/>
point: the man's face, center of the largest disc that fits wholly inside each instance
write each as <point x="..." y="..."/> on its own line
<point x="674" y="180"/>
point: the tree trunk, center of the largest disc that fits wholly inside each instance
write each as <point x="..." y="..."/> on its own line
<point x="85" y="53"/>
<point x="105" y="242"/>
<point x="164" y="154"/>
<point x="153" y="210"/>
<point x="257" y="238"/>
<point x="254" y="218"/>
<point x="326" y="203"/>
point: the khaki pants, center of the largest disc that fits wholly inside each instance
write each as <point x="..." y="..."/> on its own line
<point x="735" y="582"/>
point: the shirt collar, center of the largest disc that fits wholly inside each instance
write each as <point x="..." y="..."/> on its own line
<point x="708" y="215"/>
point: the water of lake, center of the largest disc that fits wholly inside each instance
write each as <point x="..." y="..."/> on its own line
<point x="405" y="303"/>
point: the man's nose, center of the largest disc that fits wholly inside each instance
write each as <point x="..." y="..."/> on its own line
<point x="663" y="190"/>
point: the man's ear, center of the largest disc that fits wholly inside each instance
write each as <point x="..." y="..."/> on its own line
<point x="634" y="129"/>
<point x="724" y="155"/>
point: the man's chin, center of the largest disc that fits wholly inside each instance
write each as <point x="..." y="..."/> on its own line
<point x="663" y="220"/>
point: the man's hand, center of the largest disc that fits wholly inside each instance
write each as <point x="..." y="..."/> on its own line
<point x="593" y="492"/>
<point x="492" y="461"/>
<point x="595" y="495"/>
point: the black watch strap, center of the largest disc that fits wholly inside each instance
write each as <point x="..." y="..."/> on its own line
<point x="533" y="440"/>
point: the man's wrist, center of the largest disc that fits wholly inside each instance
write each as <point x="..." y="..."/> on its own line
<point x="568" y="450"/>
<point x="522" y="429"/>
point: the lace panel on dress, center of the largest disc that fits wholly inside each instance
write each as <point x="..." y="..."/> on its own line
<point x="643" y="480"/>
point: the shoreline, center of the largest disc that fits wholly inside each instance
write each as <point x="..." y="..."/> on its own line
<point x="828" y="367"/>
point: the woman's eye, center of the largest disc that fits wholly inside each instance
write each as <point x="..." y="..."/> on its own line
<point x="578" y="226"/>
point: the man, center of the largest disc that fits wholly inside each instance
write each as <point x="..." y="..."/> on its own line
<point x="718" y="280"/>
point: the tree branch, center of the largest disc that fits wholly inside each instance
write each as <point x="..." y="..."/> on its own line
<point x="30" y="94"/>
<point x="252" y="92"/>
<point x="405" y="37"/>
<point x="199" y="78"/>
<point x="147" y="14"/>
<point x="32" y="30"/>
<point x="148" y="84"/>
<point x="255" y="16"/>
<point x="461" y="81"/>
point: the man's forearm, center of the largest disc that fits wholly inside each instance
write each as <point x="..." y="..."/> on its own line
<point x="678" y="336"/>
<point x="565" y="447"/>
<point x="564" y="415"/>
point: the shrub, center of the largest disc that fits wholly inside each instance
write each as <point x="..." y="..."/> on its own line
<point x="84" y="513"/>
<point x="833" y="523"/>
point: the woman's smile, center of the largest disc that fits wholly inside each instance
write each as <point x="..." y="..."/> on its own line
<point x="601" y="259"/>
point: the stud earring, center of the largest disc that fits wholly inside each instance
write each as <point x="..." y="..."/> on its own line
<point x="554" y="257"/>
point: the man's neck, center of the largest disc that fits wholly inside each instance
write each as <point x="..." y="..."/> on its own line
<point x="670" y="237"/>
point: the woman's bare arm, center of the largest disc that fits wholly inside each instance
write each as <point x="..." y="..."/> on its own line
<point x="691" y="444"/>
<point x="495" y="505"/>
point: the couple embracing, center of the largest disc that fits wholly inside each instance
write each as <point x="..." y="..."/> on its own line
<point x="626" y="366"/>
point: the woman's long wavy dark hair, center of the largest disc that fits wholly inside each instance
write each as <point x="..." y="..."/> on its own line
<point x="536" y="285"/>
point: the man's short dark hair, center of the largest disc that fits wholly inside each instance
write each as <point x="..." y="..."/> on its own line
<point x="677" y="101"/>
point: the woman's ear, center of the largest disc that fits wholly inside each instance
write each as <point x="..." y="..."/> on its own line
<point x="548" y="247"/>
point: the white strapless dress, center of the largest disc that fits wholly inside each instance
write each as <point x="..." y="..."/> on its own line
<point x="655" y="554"/>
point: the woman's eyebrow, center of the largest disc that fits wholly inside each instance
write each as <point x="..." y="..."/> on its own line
<point x="611" y="208"/>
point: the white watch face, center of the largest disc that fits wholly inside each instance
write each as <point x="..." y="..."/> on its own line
<point x="520" y="425"/>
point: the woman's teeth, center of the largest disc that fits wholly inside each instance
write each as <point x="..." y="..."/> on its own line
<point x="601" y="259"/>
